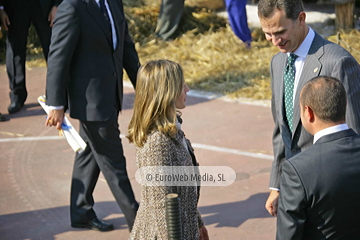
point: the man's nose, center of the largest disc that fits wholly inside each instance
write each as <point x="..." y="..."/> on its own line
<point x="275" y="40"/>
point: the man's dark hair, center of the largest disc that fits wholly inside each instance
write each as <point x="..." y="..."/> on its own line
<point x="292" y="8"/>
<point x="326" y="96"/>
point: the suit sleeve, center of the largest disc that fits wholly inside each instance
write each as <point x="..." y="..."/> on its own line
<point x="65" y="34"/>
<point x="347" y="70"/>
<point x="131" y="61"/>
<point x="292" y="202"/>
<point x="277" y="141"/>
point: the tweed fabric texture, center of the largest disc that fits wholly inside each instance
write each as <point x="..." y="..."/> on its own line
<point x="162" y="150"/>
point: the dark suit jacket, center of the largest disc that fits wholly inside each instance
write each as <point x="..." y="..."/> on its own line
<point x="320" y="190"/>
<point x="46" y="5"/>
<point x="324" y="58"/>
<point x="83" y="67"/>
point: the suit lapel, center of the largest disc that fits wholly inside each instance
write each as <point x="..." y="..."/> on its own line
<point x="311" y="69"/>
<point x="281" y="87"/>
<point x="95" y="12"/>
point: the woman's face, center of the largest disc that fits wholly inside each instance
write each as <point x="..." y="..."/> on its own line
<point x="181" y="101"/>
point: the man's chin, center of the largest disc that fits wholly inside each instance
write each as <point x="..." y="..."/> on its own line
<point x="283" y="47"/>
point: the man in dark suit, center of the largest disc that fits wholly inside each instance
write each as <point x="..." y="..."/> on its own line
<point x="304" y="54"/>
<point x="90" y="46"/>
<point x="16" y="17"/>
<point x="320" y="187"/>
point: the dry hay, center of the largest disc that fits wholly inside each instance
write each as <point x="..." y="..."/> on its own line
<point x="210" y="4"/>
<point x="142" y="22"/>
<point x="133" y="3"/>
<point x="218" y="62"/>
<point x="349" y="41"/>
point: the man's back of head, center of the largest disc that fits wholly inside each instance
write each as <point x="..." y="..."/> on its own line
<point x="322" y="103"/>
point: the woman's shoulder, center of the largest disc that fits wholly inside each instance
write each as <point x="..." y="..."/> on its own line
<point x="157" y="139"/>
<point x="157" y="150"/>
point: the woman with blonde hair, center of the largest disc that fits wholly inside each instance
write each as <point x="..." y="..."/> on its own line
<point x="155" y="130"/>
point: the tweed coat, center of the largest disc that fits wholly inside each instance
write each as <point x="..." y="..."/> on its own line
<point x="162" y="150"/>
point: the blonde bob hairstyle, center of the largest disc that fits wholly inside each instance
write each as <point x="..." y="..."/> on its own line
<point x="159" y="84"/>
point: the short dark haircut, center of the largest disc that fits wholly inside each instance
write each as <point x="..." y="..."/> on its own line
<point x="292" y="8"/>
<point x="326" y="96"/>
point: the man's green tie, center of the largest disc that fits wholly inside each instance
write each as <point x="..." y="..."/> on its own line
<point x="289" y="78"/>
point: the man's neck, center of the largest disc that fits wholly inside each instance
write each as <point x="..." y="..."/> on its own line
<point x="306" y="31"/>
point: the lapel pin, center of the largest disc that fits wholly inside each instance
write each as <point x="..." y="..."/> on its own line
<point x="315" y="70"/>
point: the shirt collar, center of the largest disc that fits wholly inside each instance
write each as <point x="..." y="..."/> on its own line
<point x="330" y="130"/>
<point x="304" y="47"/>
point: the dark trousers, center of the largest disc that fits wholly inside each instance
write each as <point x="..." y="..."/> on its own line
<point x="104" y="153"/>
<point x="169" y="18"/>
<point x="21" y="18"/>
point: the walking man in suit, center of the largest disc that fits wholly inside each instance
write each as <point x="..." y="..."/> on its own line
<point x="320" y="187"/>
<point x="304" y="54"/>
<point x="90" y="46"/>
<point x="16" y="17"/>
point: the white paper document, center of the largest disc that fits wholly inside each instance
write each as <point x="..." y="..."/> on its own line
<point x="69" y="132"/>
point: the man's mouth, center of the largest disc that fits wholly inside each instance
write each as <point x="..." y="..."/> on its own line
<point x="282" y="44"/>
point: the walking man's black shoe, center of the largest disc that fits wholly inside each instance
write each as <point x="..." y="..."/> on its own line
<point x="15" y="107"/>
<point x="2" y="118"/>
<point x="95" y="224"/>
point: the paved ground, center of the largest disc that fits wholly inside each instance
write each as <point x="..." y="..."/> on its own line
<point x="36" y="166"/>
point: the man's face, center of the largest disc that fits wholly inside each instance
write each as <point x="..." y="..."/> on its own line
<point x="284" y="33"/>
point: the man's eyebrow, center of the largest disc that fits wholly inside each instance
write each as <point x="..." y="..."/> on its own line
<point x="277" y="32"/>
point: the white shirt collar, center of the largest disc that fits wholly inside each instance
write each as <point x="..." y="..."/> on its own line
<point x="330" y="130"/>
<point x="304" y="47"/>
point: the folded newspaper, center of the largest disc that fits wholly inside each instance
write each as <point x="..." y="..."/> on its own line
<point x="71" y="135"/>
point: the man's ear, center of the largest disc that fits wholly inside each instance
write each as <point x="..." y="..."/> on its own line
<point x="309" y="114"/>
<point x="302" y="17"/>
